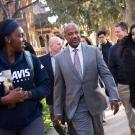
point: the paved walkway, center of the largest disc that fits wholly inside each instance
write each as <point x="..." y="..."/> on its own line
<point x="115" y="125"/>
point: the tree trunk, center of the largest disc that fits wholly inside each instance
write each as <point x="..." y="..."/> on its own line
<point x="130" y="11"/>
<point x="133" y="11"/>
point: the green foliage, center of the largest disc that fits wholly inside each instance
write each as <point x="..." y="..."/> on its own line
<point x="46" y="116"/>
<point x="88" y="14"/>
<point x="41" y="21"/>
<point x="69" y="11"/>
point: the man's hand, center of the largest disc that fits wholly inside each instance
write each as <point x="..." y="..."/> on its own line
<point x="58" y="118"/>
<point x="60" y="124"/>
<point x="115" y="106"/>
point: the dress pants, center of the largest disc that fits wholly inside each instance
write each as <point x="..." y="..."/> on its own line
<point x="124" y="94"/>
<point x="85" y="124"/>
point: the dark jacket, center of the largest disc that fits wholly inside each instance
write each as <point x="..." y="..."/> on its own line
<point x="129" y="66"/>
<point x="29" y="48"/>
<point x="46" y="61"/>
<point x="24" y="112"/>
<point x="105" y="51"/>
<point x="115" y="63"/>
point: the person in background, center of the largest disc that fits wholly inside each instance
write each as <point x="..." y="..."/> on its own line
<point x="104" y="44"/>
<point x="85" y="40"/>
<point x="61" y="37"/>
<point x="128" y="55"/>
<point x="116" y="67"/>
<point x="20" y="106"/>
<point x="28" y="47"/>
<point x="76" y="85"/>
<point x="48" y="60"/>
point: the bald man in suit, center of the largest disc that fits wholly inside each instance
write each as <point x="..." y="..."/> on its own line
<point x="77" y="69"/>
<point x="48" y="60"/>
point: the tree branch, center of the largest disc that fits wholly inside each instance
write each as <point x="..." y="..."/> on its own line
<point x="17" y="5"/>
<point x="2" y="4"/>
<point x="117" y="7"/>
<point x="9" y="2"/>
<point x="22" y="8"/>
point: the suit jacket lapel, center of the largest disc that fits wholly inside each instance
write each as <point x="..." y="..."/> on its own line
<point x="85" y="58"/>
<point x="69" y="60"/>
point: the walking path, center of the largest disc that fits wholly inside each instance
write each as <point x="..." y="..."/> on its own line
<point x="115" y="125"/>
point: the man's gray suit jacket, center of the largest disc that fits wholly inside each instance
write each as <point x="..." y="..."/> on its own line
<point x="68" y="83"/>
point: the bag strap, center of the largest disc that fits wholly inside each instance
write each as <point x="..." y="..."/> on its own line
<point x="29" y="60"/>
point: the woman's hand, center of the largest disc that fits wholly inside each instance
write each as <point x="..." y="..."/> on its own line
<point x="14" y="96"/>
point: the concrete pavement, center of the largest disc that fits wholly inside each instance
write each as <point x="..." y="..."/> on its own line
<point x="115" y="125"/>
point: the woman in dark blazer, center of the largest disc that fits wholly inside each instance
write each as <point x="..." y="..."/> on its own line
<point x="128" y="54"/>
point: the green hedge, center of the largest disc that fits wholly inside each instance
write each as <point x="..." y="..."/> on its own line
<point x="46" y="116"/>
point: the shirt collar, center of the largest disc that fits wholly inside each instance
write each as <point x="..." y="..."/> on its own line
<point x="52" y="55"/>
<point x="104" y="43"/>
<point x="78" y="48"/>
